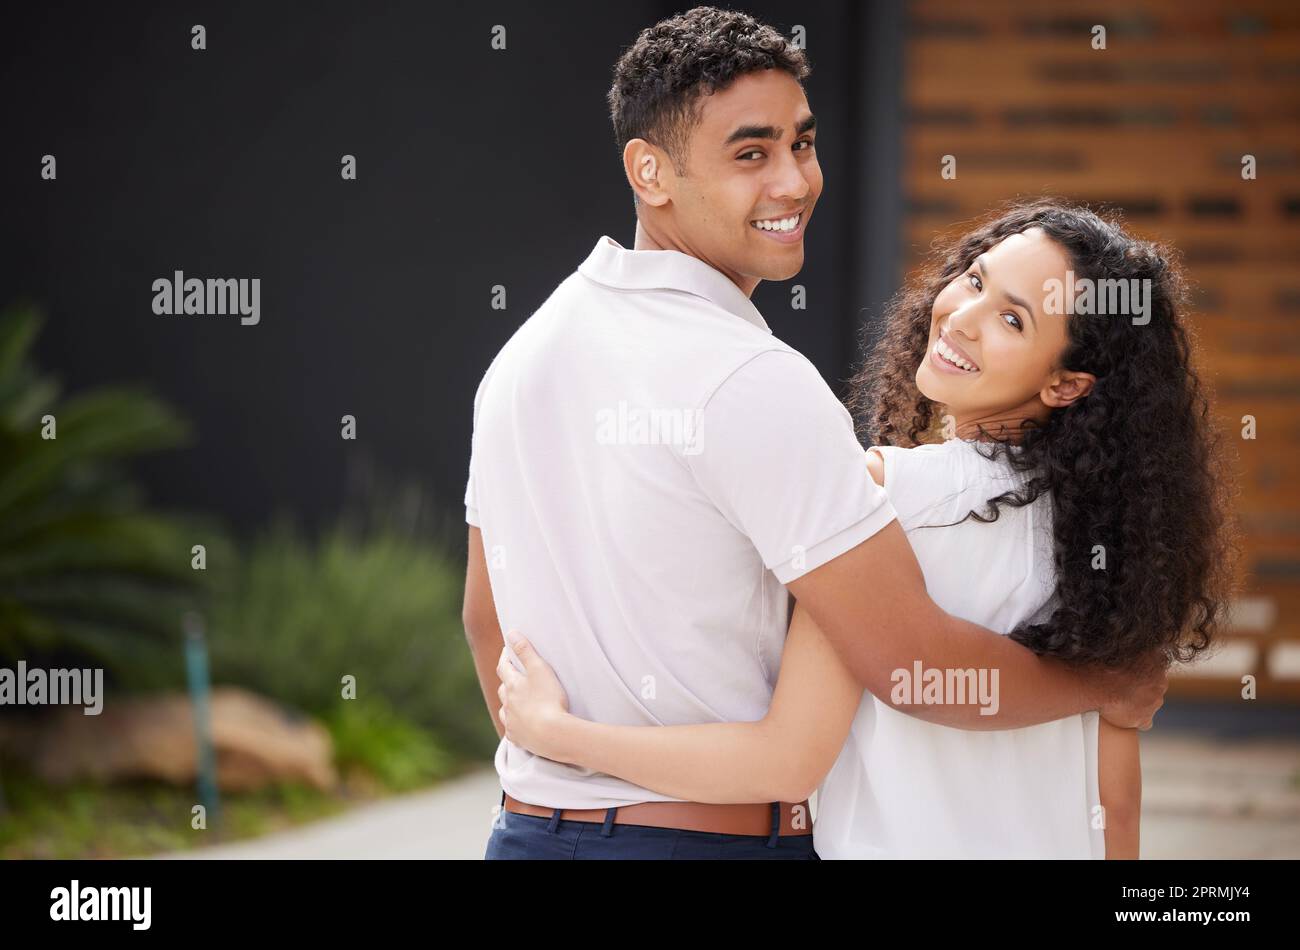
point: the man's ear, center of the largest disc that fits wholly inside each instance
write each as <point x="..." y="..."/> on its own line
<point x="1067" y="387"/>
<point x="648" y="171"/>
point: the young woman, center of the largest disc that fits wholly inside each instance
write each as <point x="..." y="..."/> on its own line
<point x="1074" y="501"/>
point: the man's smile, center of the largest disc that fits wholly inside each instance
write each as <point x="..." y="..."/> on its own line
<point x="786" y="229"/>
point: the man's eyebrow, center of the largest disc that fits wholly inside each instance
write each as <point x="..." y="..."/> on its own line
<point x="1019" y="302"/>
<point x="754" y="132"/>
<point x="771" y="132"/>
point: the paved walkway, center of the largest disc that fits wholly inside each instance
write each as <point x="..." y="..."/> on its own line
<point x="1202" y="798"/>
<point x="452" y="820"/>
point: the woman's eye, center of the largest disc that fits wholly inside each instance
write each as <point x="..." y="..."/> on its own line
<point x="1014" y="321"/>
<point x="975" y="281"/>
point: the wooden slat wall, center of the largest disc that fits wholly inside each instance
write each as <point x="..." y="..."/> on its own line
<point x="1155" y="125"/>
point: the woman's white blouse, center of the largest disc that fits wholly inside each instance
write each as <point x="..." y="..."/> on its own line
<point x="904" y="788"/>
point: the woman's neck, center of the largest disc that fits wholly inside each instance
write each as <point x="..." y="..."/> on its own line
<point x="1009" y="425"/>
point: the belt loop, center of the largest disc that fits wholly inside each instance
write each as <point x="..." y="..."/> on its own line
<point x="776" y="825"/>
<point x="607" y="828"/>
<point x="555" y="821"/>
<point x="499" y="813"/>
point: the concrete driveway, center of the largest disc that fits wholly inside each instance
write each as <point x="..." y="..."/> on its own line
<point x="1203" y="797"/>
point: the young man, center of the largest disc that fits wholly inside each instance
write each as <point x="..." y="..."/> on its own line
<point x="652" y="469"/>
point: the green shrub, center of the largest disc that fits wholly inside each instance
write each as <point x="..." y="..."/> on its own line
<point x="292" y="619"/>
<point x="369" y="735"/>
<point x="91" y="576"/>
<point x="86" y="573"/>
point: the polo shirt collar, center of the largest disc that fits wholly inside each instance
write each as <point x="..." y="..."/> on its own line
<point x="613" y="265"/>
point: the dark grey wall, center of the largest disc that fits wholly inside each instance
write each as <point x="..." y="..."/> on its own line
<point x="476" y="167"/>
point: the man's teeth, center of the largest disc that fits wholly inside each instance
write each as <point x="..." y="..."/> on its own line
<point x="946" y="352"/>
<point x="778" y="224"/>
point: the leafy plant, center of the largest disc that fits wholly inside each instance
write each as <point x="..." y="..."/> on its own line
<point x="84" y="569"/>
<point x="369" y="735"/>
<point x="379" y="605"/>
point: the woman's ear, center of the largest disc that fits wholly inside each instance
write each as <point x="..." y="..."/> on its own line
<point x="1067" y="387"/>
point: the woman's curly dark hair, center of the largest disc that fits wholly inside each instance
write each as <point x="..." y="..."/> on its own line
<point x="659" y="79"/>
<point x="1136" y="465"/>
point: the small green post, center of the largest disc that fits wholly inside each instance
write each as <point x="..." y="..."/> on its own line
<point x="196" y="670"/>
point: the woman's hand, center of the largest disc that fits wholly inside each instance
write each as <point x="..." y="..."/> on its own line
<point x="1135" y="694"/>
<point x="533" y="703"/>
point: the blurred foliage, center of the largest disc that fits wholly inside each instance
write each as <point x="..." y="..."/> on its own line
<point x="368" y="735"/>
<point x="90" y="576"/>
<point x="93" y="820"/>
<point x="86" y="572"/>
<point x="293" y="618"/>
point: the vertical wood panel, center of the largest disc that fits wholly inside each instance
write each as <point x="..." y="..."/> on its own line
<point x="1154" y="125"/>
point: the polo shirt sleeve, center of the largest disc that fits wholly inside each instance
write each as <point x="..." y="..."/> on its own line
<point x="471" y="499"/>
<point x="471" y="494"/>
<point x="776" y="453"/>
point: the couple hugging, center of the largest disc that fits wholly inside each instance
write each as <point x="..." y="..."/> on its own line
<point x="985" y="601"/>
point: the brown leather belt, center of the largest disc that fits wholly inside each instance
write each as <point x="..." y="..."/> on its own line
<point x="751" y="818"/>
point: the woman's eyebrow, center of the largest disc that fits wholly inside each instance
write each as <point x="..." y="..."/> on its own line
<point x="1018" y="301"/>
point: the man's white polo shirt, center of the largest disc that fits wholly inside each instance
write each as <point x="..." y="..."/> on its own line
<point x="649" y="467"/>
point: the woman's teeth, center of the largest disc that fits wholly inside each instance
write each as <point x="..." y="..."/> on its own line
<point x="947" y="354"/>
<point x="778" y="224"/>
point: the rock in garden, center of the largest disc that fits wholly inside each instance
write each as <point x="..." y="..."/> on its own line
<point x="257" y="742"/>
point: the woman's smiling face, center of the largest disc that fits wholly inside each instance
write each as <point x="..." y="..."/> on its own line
<point x="994" y="352"/>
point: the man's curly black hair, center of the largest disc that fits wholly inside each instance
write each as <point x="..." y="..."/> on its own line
<point x="1137" y="465"/>
<point x="659" y="80"/>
